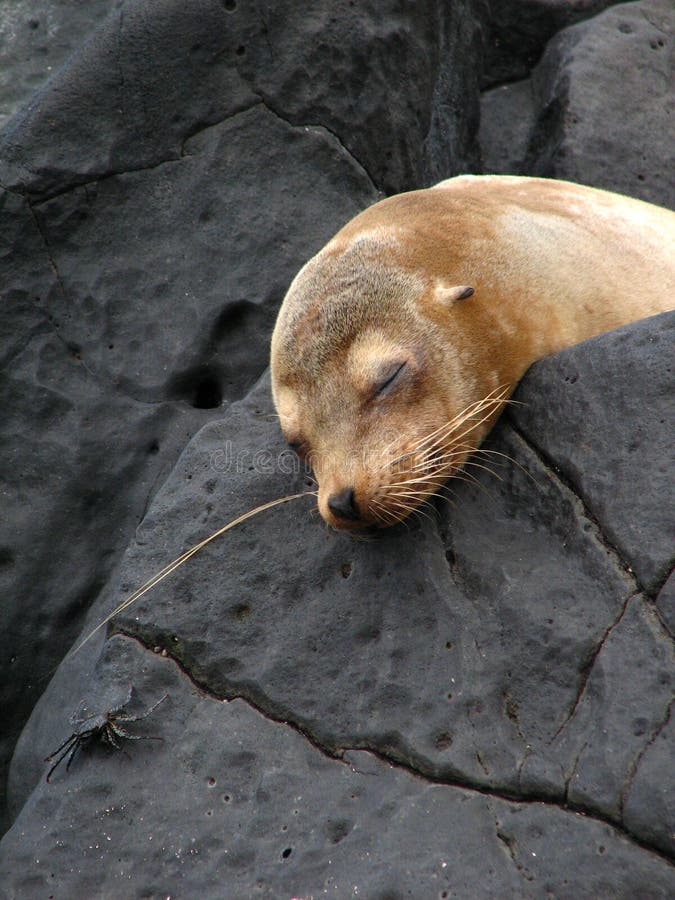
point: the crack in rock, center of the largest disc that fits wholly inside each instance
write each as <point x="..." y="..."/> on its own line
<point x="48" y="251"/>
<point x="200" y="129"/>
<point x="62" y="287"/>
<point x="635" y="765"/>
<point x="99" y="179"/>
<point x="587" y="668"/>
<point x="338" y="754"/>
<point x="511" y="845"/>
<point x="182" y="154"/>
<point x="555" y="472"/>
<point x="3" y="187"/>
<point x="575" y="766"/>
<point x="349" y="152"/>
<point x="318" y="126"/>
<point x="118" y="63"/>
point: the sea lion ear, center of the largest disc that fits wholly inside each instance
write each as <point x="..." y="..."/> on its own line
<point x="449" y="294"/>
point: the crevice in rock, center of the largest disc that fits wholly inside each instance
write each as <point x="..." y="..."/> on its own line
<point x="392" y="759"/>
<point x="201" y="127"/>
<point x="118" y="64"/>
<point x="38" y="200"/>
<point x="575" y="766"/>
<point x="265" y="102"/>
<point x="635" y="765"/>
<point x="663" y="626"/>
<point x="3" y="187"/>
<point x="350" y="153"/>
<point x="72" y="351"/>
<point x="587" y="668"/>
<point x="511" y="845"/>
<point x="670" y="569"/>
<point x="555" y="472"/>
<point x="521" y="764"/>
<point x="156" y="647"/>
<point x="507" y="82"/>
<point x="508" y="843"/>
<point x="48" y="251"/>
<point x="557" y="24"/>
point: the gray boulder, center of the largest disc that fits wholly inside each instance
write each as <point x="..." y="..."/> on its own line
<point x="478" y="702"/>
<point x="598" y="107"/>
<point x="503" y="657"/>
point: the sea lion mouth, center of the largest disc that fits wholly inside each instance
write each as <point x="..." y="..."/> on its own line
<point x="394" y="491"/>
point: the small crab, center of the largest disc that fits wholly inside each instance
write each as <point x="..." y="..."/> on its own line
<point x="107" y="727"/>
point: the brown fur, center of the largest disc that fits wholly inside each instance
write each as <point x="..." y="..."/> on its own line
<point x="550" y="262"/>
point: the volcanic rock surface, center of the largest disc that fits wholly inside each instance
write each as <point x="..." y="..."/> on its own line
<point x="474" y="704"/>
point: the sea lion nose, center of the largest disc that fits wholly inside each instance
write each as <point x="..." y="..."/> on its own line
<point x="343" y="505"/>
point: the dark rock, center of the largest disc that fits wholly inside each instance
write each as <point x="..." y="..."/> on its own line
<point x="37" y="37"/>
<point x="488" y="657"/>
<point x="185" y="238"/>
<point x="230" y="802"/>
<point x="618" y="62"/>
<point x="665" y="604"/>
<point x="616" y="452"/>
<point x="474" y="703"/>
<point x="649" y="798"/>
<point x="137" y="303"/>
<point x="605" y="100"/>
<point x="408" y="96"/>
<point x="134" y="308"/>
<point x="82" y="467"/>
<point x="507" y="116"/>
<point x="27" y="278"/>
<point x="374" y="75"/>
<point x="128" y="99"/>
<point x="538" y="592"/>
<point x="623" y="709"/>
<point x="517" y="32"/>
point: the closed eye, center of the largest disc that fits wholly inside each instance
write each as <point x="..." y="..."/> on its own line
<point x="391" y="377"/>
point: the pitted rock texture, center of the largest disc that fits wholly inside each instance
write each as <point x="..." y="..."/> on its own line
<point x="518" y="31"/>
<point x="520" y="665"/>
<point x="375" y="74"/>
<point x="37" y="38"/>
<point x="232" y="803"/>
<point x="476" y="703"/>
<point x="598" y="108"/>
<point x="633" y="86"/>
<point x="616" y="470"/>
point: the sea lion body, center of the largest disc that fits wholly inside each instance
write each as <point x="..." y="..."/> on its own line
<point x="397" y="344"/>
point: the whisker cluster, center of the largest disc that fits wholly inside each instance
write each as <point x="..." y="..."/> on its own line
<point x="421" y="471"/>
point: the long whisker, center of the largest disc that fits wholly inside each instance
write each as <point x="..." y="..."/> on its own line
<point x="448" y="451"/>
<point x="487" y="469"/>
<point x="472" y="410"/>
<point x="172" y="566"/>
<point x="444" y="431"/>
<point x="382" y="514"/>
<point x="418" y="507"/>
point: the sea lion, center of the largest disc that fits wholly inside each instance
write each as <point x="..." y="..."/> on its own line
<point x="398" y="343"/>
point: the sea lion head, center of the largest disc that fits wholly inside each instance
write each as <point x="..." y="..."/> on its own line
<point x="373" y="380"/>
